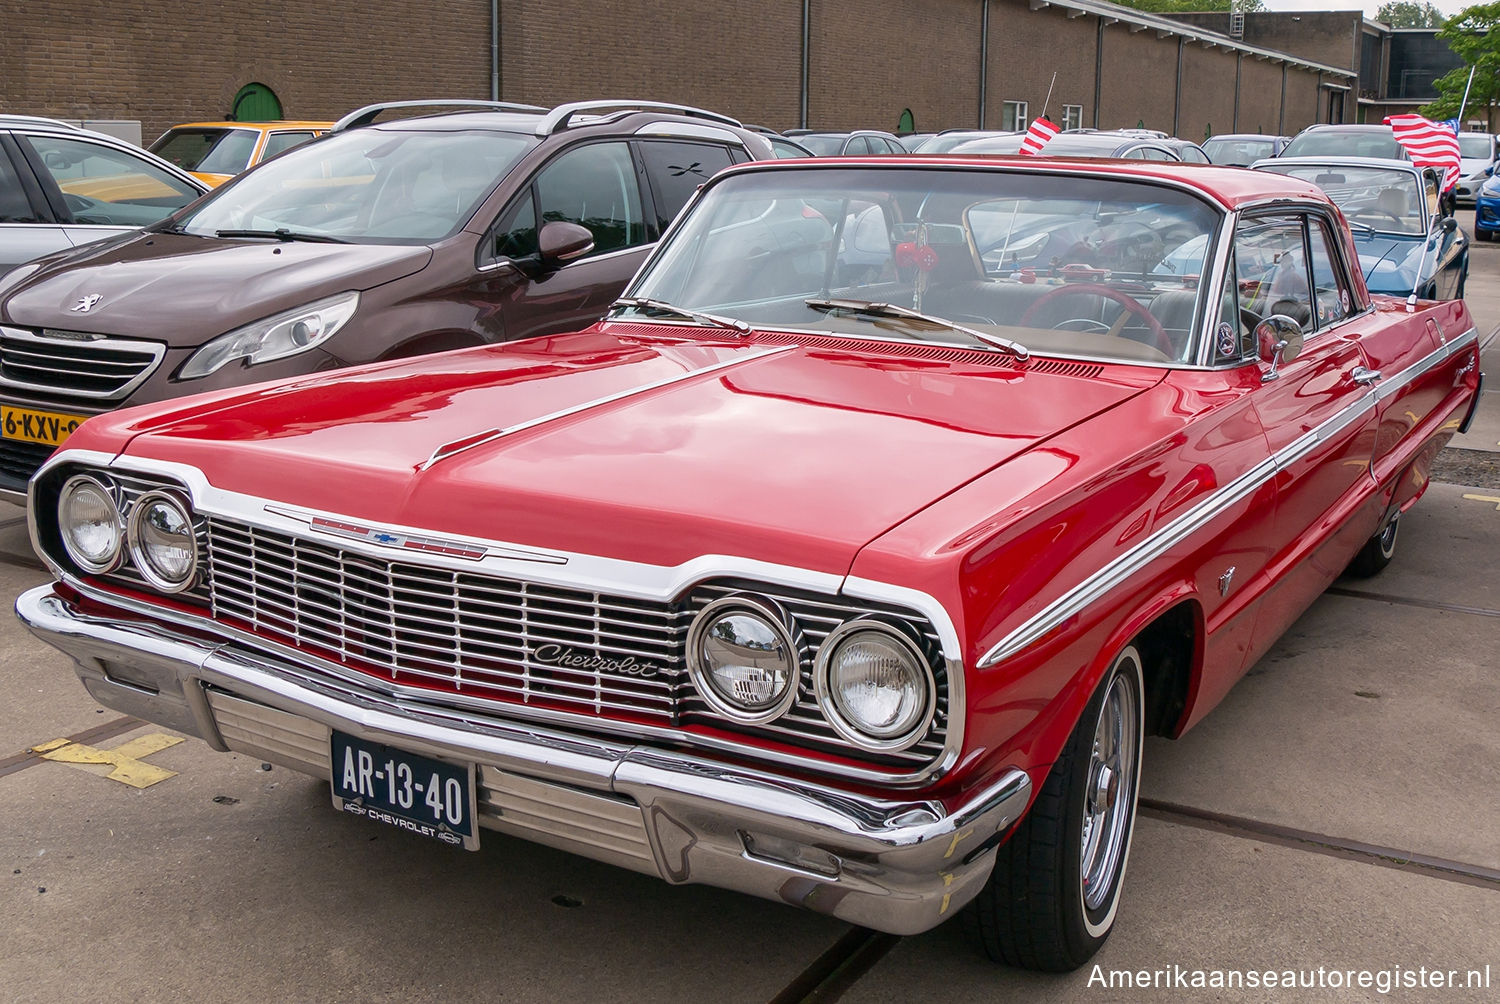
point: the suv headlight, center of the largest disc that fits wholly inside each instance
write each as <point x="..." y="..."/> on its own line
<point x="276" y="337"/>
<point x="742" y="658"/>
<point x="89" y="520"/>
<point x="162" y="543"/>
<point x="875" y="685"/>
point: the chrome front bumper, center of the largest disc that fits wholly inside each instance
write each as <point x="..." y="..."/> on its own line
<point x="896" y="866"/>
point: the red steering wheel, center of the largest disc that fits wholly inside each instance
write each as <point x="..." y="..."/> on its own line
<point x="1131" y="305"/>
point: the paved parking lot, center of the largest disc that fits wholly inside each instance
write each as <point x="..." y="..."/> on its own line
<point x="1337" y="813"/>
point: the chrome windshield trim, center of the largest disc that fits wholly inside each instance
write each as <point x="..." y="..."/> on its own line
<point x="1106" y="579"/>
<point x="489" y="436"/>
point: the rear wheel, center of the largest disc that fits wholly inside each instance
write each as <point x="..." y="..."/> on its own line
<point x="1378" y="550"/>
<point x="1050" y="902"/>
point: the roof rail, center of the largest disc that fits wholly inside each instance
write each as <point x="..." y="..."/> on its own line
<point x="559" y="117"/>
<point x="7" y="119"/>
<point x="364" y="116"/>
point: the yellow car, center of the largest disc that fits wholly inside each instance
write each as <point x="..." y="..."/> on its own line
<point x="214" y="152"/>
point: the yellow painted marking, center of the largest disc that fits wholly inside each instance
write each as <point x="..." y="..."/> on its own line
<point x="127" y="760"/>
<point x="947" y="881"/>
<point x="1485" y="498"/>
<point x="956" y="838"/>
<point x="1454" y="424"/>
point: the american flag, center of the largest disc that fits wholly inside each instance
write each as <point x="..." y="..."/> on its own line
<point x="1037" y="136"/>
<point x="1430" y="144"/>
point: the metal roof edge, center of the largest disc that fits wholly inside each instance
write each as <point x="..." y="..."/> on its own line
<point x="1164" y="27"/>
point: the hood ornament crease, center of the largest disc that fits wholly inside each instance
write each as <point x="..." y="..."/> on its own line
<point x="467" y="443"/>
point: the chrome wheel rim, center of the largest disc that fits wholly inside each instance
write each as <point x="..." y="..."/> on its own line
<point x="1109" y="791"/>
<point x="1387" y="538"/>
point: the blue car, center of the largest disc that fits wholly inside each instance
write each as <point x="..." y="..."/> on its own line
<point x="1487" y="211"/>
<point x="1406" y="239"/>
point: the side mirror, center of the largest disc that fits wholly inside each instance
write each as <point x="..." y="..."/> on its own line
<point x="1279" y="340"/>
<point x="1448" y="225"/>
<point x="560" y="242"/>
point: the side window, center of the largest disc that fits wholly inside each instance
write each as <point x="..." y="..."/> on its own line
<point x="893" y="148"/>
<point x="858" y="146"/>
<point x="514" y="236"/>
<point x="1271" y="264"/>
<point x="1330" y="296"/>
<point x="102" y="185"/>
<point x="594" y="186"/>
<point x="676" y="170"/>
<point x="1430" y="183"/>
<point x="1234" y="334"/>
<point x="15" y="207"/>
<point x="280" y="141"/>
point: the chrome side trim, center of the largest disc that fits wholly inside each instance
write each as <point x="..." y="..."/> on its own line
<point x="453" y="449"/>
<point x="1106" y="579"/>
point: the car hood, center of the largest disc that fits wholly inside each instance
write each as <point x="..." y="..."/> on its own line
<point x="621" y="442"/>
<point x="1389" y="263"/>
<point x="183" y="289"/>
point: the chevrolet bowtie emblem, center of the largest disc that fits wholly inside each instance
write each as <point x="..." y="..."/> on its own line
<point x="86" y="303"/>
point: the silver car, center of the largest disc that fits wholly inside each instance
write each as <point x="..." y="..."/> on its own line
<point x="62" y="186"/>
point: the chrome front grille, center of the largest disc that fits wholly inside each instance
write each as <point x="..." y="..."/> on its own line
<point x="76" y="364"/>
<point x="489" y="639"/>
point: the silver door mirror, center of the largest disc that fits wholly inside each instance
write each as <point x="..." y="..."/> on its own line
<point x="1279" y="339"/>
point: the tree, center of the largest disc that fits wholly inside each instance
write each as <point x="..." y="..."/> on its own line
<point x="1409" y="14"/>
<point x="1474" y="36"/>
<point x="1192" y="6"/>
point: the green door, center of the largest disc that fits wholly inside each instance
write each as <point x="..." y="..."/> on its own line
<point x="256" y="103"/>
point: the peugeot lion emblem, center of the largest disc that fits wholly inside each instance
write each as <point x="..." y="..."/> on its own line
<point x="87" y="303"/>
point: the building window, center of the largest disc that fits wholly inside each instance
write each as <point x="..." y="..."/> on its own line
<point x="1013" y="116"/>
<point x="1072" y="117"/>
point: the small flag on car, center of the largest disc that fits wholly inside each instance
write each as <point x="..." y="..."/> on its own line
<point x="1037" y="136"/>
<point x="1430" y="144"/>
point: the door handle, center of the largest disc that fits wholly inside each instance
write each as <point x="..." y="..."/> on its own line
<point x="1364" y="376"/>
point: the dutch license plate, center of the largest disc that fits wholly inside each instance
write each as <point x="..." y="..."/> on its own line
<point x="414" y="793"/>
<point x="46" y="427"/>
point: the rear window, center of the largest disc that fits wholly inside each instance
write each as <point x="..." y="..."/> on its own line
<point x="1338" y="143"/>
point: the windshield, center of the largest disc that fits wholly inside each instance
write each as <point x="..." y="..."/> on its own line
<point x="1379" y="198"/>
<point x="1345" y="143"/>
<point x="372" y="186"/>
<point x="822" y="146"/>
<point x="211" y="151"/>
<point x="1071" y="265"/>
<point x="1476" y="145"/>
<point x="1239" y="152"/>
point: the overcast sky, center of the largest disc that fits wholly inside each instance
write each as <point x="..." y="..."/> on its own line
<point x="1448" y="7"/>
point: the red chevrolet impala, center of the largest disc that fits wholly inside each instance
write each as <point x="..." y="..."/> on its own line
<point x="846" y="563"/>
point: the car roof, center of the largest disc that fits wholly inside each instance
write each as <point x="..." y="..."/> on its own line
<point x="1230" y="187"/>
<point x="1242" y="137"/>
<point x="1313" y="160"/>
<point x="260" y="126"/>
<point x="1067" y="144"/>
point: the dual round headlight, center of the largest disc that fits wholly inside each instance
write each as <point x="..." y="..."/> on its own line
<point x="158" y="535"/>
<point x="873" y="681"/>
<point x="743" y="659"/>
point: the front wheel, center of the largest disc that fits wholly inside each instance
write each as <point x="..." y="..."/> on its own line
<point x="1050" y="903"/>
<point x="1377" y="552"/>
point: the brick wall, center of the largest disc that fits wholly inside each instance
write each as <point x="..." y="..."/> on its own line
<point x="869" y="60"/>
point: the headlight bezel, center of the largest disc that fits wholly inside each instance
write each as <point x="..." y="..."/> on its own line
<point x="841" y="722"/>
<point x="780" y="623"/>
<point x="247" y="344"/>
<point x="138" y="556"/>
<point x="110" y="495"/>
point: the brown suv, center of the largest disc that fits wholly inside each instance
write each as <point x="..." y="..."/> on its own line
<point x="375" y="241"/>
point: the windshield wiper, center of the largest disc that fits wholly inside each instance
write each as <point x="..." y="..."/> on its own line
<point x="662" y="306"/>
<point x="283" y="234"/>
<point x="869" y="308"/>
